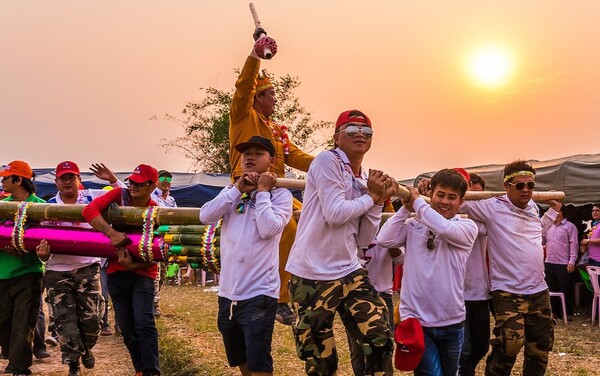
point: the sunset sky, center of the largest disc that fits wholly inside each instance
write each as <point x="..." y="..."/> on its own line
<point x="80" y="80"/>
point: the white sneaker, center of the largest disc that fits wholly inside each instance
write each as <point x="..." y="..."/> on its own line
<point x="212" y="289"/>
<point x="51" y="341"/>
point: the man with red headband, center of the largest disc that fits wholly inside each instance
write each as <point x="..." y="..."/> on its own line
<point x="251" y="108"/>
<point x="518" y="289"/>
<point x="130" y="282"/>
<point x="342" y="212"/>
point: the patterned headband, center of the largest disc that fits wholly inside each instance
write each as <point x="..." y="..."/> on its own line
<point x="519" y="173"/>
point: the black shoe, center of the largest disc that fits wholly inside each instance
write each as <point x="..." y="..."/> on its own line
<point x="41" y="354"/>
<point x="74" y="368"/>
<point x="88" y="360"/>
<point x="284" y="314"/>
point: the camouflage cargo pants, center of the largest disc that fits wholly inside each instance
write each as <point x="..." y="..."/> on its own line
<point x="521" y="320"/>
<point x="363" y="313"/>
<point x="75" y="301"/>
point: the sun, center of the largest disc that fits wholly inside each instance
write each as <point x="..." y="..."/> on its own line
<point x="490" y="66"/>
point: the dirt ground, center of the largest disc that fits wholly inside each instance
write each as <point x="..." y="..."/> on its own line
<point x="112" y="359"/>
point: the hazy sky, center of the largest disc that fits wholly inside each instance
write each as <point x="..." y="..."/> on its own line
<point x="79" y="80"/>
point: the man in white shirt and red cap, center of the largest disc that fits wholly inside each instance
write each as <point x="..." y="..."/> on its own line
<point x="342" y="212"/>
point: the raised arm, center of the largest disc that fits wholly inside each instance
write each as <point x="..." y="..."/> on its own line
<point x="245" y="88"/>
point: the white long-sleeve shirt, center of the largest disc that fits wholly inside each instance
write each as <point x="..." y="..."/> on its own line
<point x="380" y="266"/>
<point x="249" y="241"/>
<point x="338" y="217"/>
<point x="66" y="263"/>
<point x="433" y="280"/>
<point x="477" y="277"/>
<point x="514" y="243"/>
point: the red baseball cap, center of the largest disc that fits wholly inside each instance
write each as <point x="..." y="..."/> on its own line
<point x="143" y="173"/>
<point x="17" y="168"/>
<point x="357" y="116"/>
<point x="67" y="167"/>
<point x="410" y="344"/>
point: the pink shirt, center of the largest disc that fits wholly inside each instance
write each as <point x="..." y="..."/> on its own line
<point x="594" y="249"/>
<point x="562" y="245"/>
<point x="514" y="243"/>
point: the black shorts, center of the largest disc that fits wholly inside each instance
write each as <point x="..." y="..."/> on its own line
<point x="247" y="330"/>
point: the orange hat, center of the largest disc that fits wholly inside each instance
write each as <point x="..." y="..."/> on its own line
<point x="263" y="83"/>
<point x="17" y="168"/>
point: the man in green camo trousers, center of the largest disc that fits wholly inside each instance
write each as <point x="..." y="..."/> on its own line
<point x="342" y="211"/>
<point x="519" y="291"/>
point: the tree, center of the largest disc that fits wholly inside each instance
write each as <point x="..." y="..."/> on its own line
<point x="206" y="125"/>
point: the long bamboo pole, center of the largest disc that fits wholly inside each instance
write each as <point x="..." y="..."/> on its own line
<point x="404" y="193"/>
<point x="133" y="216"/>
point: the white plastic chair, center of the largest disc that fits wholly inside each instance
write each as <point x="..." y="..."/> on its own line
<point x="564" y="306"/>
<point x="594" y="272"/>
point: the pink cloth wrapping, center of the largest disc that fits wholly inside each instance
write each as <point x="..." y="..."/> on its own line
<point x="78" y="242"/>
<point x="265" y="43"/>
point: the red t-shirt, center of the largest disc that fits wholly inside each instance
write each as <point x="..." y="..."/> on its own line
<point x="122" y="197"/>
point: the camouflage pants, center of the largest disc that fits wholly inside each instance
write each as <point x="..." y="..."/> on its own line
<point x="75" y="300"/>
<point x="362" y="311"/>
<point x="521" y="320"/>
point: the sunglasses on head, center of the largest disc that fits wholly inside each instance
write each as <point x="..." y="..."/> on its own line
<point x="351" y="131"/>
<point x="431" y="241"/>
<point x="165" y="178"/>
<point x="521" y="185"/>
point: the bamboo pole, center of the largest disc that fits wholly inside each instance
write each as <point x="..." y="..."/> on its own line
<point x="404" y="193"/>
<point x="132" y="216"/>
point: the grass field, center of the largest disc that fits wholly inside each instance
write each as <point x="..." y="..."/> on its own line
<point x="191" y="343"/>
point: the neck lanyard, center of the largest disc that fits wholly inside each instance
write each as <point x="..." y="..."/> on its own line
<point x="355" y="183"/>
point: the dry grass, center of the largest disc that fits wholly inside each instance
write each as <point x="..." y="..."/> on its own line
<point x="189" y="317"/>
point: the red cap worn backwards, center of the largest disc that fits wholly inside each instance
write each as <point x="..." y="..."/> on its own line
<point x="67" y="167"/>
<point x="357" y="116"/>
<point x="410" y="344"/>
<point x="143" y="173"/>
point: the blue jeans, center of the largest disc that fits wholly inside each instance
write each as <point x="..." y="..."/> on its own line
<point x="442" y="350"/>
<point x="133" y="299"/>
